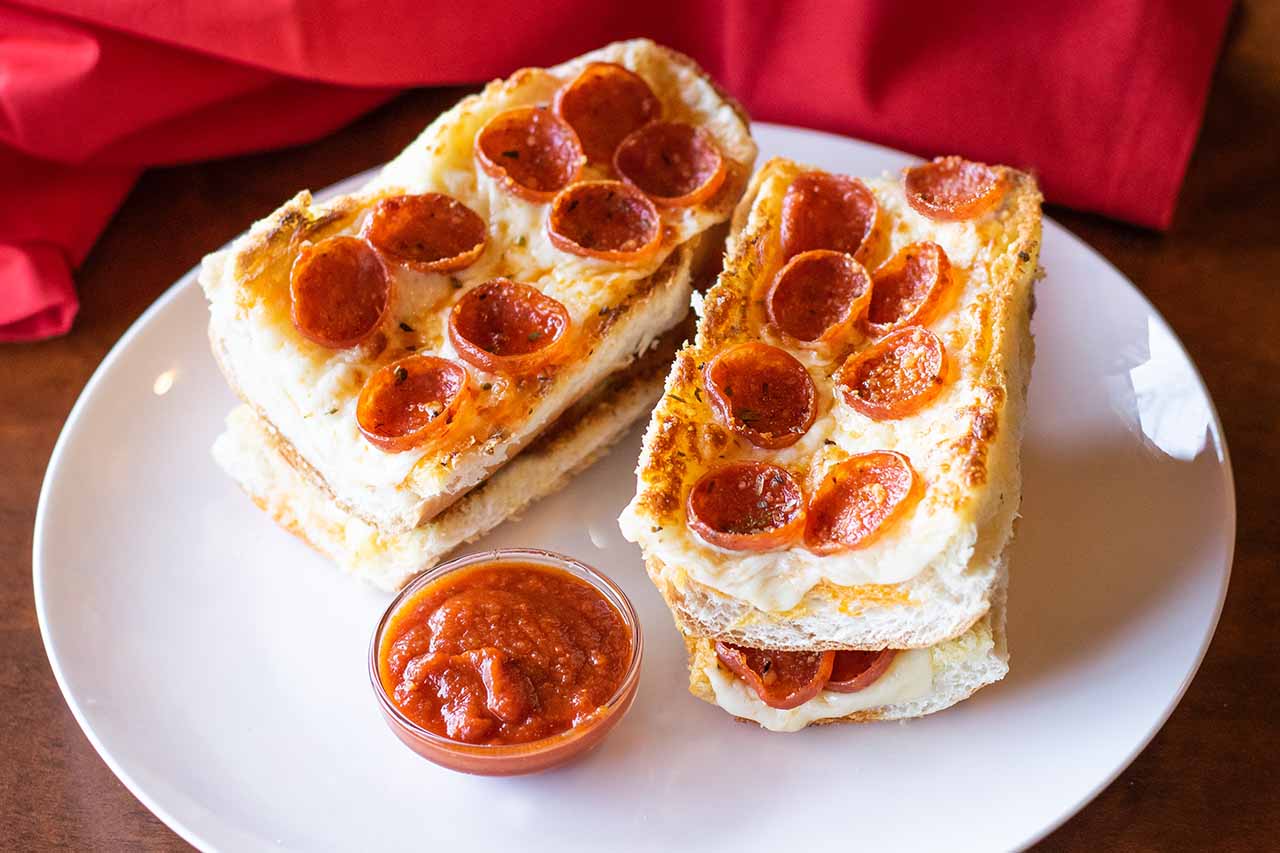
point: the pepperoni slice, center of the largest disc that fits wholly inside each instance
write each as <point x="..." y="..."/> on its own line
<point x="953" y="188"/>
<point x="603" y="104"/>
<point x="825" y="211"/>
<point x="530" y="151"/>
<point x="339" y="291"/>
<point x="507" y="326"/>
<point x="781" y="679"/>
<point x="432" y="232"/>
<point x="604" y="219"/>
<point x="818" y="295"/>
<point x="896" y="376"/>
<point x="907" y="288"/>
<point x="675" y="164"/>
<point x="856" y="500"/>
<point x="410" y="401"/>
<point x="853" y="670"/>
<point x="763" y="393"/>
<point x="747" y="506"/>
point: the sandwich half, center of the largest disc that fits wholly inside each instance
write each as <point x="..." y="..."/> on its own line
<point x="401" y="344"/>
<point x="834" y="465"/>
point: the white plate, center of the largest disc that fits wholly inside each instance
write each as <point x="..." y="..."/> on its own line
<point x="218" y="665"/>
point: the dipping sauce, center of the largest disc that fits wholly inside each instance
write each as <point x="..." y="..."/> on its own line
<point x="504" y="652"/>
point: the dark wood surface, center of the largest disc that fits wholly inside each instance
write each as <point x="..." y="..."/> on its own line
<point x="1207" y="781"/>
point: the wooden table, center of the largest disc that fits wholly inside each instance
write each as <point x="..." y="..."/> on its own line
<point x="1208" y="780"/>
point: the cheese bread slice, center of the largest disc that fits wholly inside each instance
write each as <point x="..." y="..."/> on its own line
<point x="835" y="462"/>
<point x="408" y="339"/>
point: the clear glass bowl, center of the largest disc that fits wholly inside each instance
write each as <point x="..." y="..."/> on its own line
<point x="513" y="759"/>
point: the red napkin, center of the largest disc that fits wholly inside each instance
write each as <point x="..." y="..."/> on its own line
<point x="1102" y="98"/>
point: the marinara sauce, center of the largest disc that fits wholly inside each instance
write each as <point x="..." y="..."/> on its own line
<point x="504" y="652"/>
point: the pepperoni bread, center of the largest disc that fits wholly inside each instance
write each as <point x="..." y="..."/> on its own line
<point x="835" y="462"/>
<point x="403" y="342"/>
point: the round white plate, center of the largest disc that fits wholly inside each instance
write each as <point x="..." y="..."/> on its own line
<point x="218" y="665"/>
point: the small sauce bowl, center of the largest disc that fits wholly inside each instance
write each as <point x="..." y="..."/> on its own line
<point x="518" y="758"/>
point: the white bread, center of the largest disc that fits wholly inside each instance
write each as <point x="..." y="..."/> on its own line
<point x="932" y="575"/>
<point x="959" y="667"/>
<point x="262" y="463"/>
<point x="307" y="394"/>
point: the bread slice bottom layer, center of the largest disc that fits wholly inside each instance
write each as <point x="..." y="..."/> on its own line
<point x="920" y="681"/>
<point x="258" y="459"/>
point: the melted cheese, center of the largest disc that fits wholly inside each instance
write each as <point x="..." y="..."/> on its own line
<point x="909" y="677"/>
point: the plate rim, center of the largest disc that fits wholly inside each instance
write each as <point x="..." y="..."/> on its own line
<point x="189" y="279"/>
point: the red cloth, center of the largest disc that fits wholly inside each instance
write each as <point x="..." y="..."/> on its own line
<point x="1102" y="98"/>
